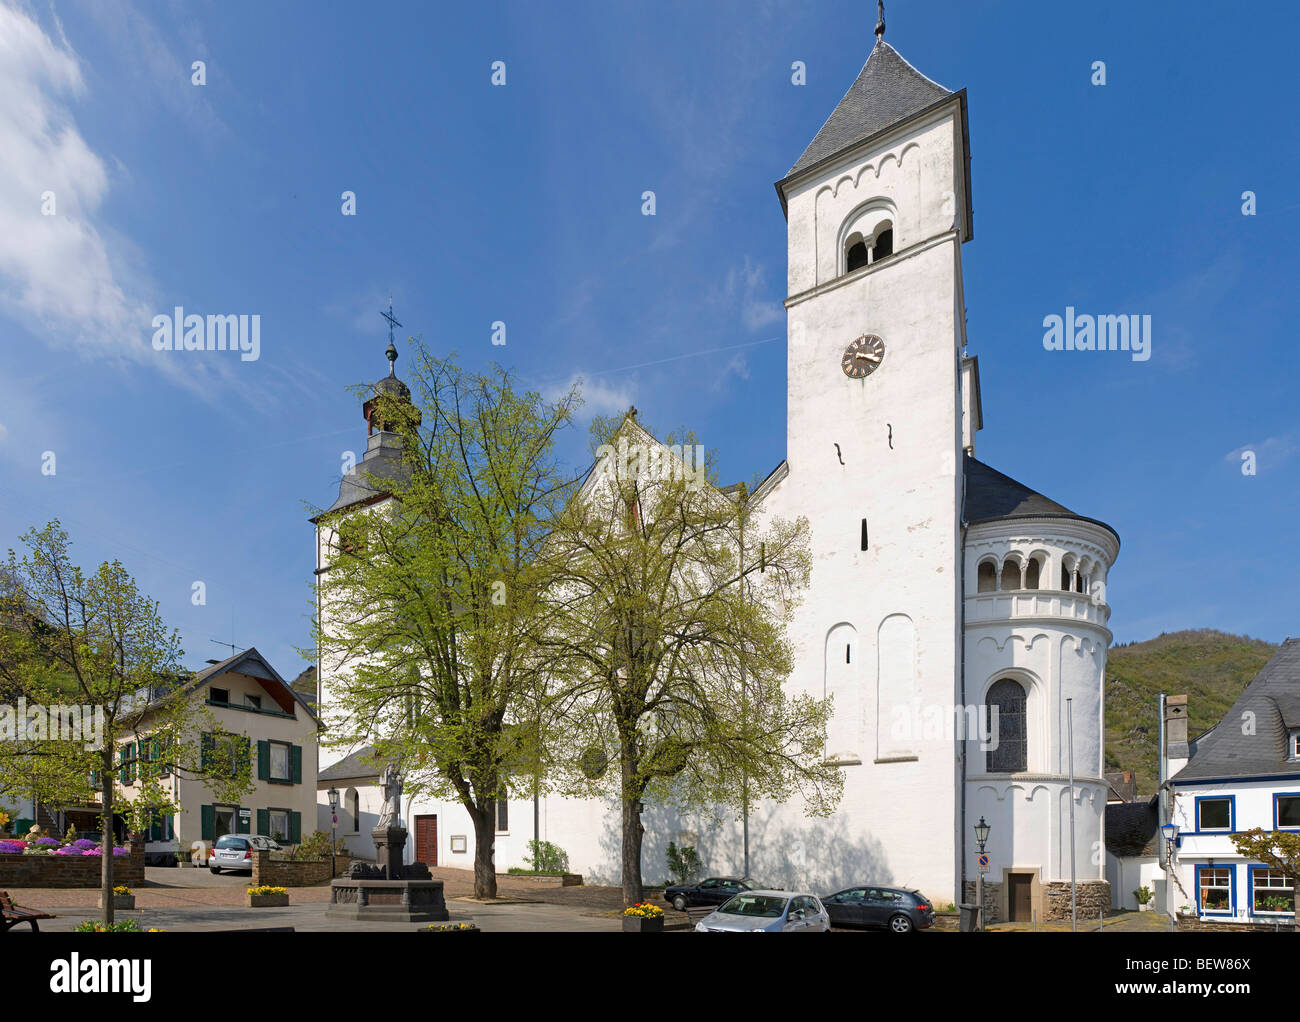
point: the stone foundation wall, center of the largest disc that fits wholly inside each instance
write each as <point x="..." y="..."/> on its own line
<point x="1092" y="899"/>
<point x="280" y="873"/>
<point x="17" y="871"/>
<point x="992" y="899"/>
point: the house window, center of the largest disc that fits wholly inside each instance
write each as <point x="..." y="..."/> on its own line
<point x="986" y="578"/>
<point x="219" y="695"/>
<point x="1032" y="570"/>
<point x="1216" y="889"/>
<point x="1214" y="814"/>
<point x="277" y="822"/>
<point x="354" y="811"/>
<point x="1295" y="745"/>
<point x="279" y="762"/>
<point x="884" y="243"/>
<point x="860" y="251"/>
<point x="1286" y="808"/>
<point x="1271" y="891"/>
<point x="856" y="257"/>
<point x="501" y="810"/>
<point x="1010" y="573"/>
<point x="253" y="702"/>
<point x="1011" y="755"/>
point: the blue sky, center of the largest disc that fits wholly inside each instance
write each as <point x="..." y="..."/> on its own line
<point x="522" y="203"/>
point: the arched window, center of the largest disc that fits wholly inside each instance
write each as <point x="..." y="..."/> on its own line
<point x="1008" y="727"/>
<point x="1067" y="574"/>
<point x="884" y="243"/>
<point x="856" y="256"/>
<point x="1080" y="583"/>
<point x="986" y="577"/>
<point x="1011" y="574"/>
<point x="351" y="812"/>
<point x="1033" y="571"/>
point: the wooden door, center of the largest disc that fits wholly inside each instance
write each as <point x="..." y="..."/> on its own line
<point x="426" y="840"/>
<point x="1020" y="901"/>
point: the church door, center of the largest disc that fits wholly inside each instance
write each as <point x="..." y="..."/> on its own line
<point x="426" y="840"/>
<point x="1019" y="901"/>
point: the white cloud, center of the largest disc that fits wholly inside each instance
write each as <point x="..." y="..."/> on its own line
<point x="1269" y="453"/>
<point x="62" y="278"/>
<point x="745" y="289"/>
<point x="598" y="396"/>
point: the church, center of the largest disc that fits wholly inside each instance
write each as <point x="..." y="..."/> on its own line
<point x="957" y="616"/>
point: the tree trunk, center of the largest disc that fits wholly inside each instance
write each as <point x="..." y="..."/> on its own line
<point x="633" y="831"/>
<point x="106" y="837"/>
<point x="485" y="851"/>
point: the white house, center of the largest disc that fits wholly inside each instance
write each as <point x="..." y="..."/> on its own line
<point x="944" y="593"/>
<point x="1241" y="774"/>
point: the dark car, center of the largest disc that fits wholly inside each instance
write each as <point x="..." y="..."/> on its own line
<point x="893" y="908"/>
<point x="713" y="891"/>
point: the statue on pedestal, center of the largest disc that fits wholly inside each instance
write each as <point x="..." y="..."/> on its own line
<point x="390" y="783"/>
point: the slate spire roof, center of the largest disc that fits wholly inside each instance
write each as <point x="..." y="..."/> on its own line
<point x="887" y="90"/>
<point x="1273" y="700"/>
<point x="993" y="496"/>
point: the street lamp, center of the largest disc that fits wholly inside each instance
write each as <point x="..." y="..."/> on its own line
<point x="981" y="838"/>
<point x="1170" y="832"/>
<point x="333" y="794"/>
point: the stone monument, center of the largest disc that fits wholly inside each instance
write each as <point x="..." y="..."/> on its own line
<point x="391" y="889"/>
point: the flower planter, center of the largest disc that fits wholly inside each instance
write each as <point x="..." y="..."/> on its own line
<point x="267" y="900"/>
<point x="1145" y="907"/>
<point x="449" y="928"/>
<point x="640" y="924"/>
<point x="121" y="902"/>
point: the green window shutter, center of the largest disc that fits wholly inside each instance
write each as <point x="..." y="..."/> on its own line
<point x="123" y="771"/>
<point x="155" y="830"/>
<point x="264" y="821"/>
<point x="131" y="767"/>
<point x="295" y="828"/>
<point x="296" y="757"/>
<point x="263" y="760"/>
<point x="208" y="820"/>
<point x="169" y="827"/>
<point x="206" y="745"/>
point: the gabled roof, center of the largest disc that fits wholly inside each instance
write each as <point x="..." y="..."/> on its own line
<point x="993" y="496"/>
<point x="252" y="664"/>
<point x="888" y="90"/>
<point x="364" y="763"/>
<point x="1272" y="704"/>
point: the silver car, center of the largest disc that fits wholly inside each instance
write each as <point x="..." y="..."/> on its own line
<point x="768" y="912"/>
<point x="235" y="852"/>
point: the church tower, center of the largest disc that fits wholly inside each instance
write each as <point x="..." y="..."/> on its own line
<point x="878" y="207"/>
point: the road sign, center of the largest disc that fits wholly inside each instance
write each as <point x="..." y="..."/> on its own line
<point x="984" y="862"/>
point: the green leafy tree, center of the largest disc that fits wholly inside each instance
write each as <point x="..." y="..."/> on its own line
<point x="1279" y="850"/>
<point x="93" y="640"/>
<point x="430" y="607"/>
<point x="671" y="653"/>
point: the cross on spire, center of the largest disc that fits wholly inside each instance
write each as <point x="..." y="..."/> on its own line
<point x="391" y="352"/>
<point x="880" y="24"/>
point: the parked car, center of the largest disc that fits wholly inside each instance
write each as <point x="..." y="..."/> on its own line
<point x="897" y="909"/>
<point x="768" y="912"/>
<point x="235" y="852"/>
<point x="713" y="891"/>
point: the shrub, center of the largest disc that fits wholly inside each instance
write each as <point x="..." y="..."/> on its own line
<point x="547" y="858"/>
<point x="683" y="863"/>
<point x="316" y="847"/>
<point x="1143" y="894"/>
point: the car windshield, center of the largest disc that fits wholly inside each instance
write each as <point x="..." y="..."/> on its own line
<point x="233" y="842"/>
<point x="763" y="905"/>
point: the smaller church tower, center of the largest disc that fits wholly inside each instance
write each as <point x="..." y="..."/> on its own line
<point x="364" y="486"/>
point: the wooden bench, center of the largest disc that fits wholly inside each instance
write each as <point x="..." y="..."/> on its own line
<point x="11" y="915"/>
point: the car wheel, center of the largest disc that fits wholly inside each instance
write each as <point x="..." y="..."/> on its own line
<point x="214" y="870"/>
<point x="900" y="924"/>
<point x="679" y="903"/>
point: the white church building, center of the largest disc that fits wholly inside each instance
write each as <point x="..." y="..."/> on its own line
<point x="940" y="588"/>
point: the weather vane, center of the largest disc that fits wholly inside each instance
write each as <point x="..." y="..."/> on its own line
<point x="392" y="349"/>
<point x="880" y="25"/>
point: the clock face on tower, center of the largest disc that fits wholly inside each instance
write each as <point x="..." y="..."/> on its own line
<point x="862" y="357"/>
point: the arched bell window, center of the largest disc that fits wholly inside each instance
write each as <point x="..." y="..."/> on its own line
<point x="1010" y="753"/>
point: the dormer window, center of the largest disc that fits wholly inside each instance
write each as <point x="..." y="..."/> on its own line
<point x="1295" y="745"/>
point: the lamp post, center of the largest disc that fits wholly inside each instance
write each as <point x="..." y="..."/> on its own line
<point x="981" y="838"/>
<point x="334" y="825"/>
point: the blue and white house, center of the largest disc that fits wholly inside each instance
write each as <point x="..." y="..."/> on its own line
<point x="1241" y="774"/>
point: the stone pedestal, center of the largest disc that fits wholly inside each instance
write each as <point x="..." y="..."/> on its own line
<point x="391" y="890"/>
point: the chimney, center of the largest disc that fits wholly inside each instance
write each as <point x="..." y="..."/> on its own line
<point x="1177" y="750"/>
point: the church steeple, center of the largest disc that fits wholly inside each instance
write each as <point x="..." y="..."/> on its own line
<point x="389" y="385"/>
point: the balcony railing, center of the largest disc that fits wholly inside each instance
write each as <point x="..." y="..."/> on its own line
<point x="1019" y="603"/>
